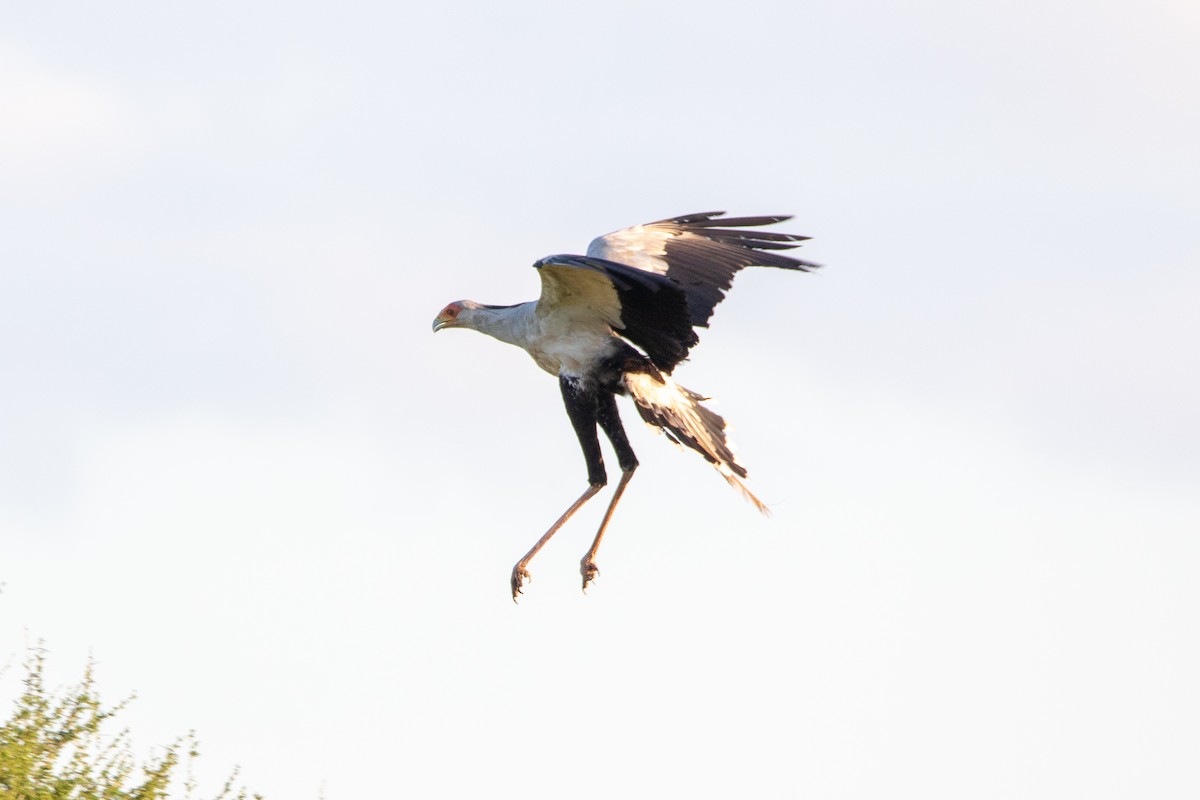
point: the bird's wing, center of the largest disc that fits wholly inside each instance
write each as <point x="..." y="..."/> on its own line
<point x="649" y="310"/>
<point x="700" y="252"/>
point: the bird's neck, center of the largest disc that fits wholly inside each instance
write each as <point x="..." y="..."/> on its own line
<point x="509" y="324"/>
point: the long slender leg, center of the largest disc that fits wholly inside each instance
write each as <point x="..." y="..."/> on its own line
<point x="519" y="573"/>
<point x="610" y="422"/>
<point x="582" y="401"/>
<point x="587" y="564"/>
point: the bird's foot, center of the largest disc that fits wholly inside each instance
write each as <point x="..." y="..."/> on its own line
<point x="588" y="569"/>
<point x="519" y="576"/>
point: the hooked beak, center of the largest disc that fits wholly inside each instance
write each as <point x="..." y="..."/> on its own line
<point x="440" y="323"/>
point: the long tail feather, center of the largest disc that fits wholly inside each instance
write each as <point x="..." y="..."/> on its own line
<point x="677" y="412"/>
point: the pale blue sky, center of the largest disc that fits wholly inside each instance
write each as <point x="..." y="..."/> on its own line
<point x="237" y="467"/>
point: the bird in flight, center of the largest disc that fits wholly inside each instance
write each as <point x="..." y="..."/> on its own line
<point x="617" y="321"/>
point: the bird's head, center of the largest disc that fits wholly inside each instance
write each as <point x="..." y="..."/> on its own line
<point x="457" y="314"/>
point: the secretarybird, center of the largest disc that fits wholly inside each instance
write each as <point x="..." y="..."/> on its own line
<point x="616" y="322"/>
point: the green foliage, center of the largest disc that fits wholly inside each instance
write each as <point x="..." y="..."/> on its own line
<point x="53" y="748"/>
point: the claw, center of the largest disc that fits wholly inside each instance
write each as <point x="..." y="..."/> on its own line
<point x="519" y="576"/>
<point x="589" y="571"/>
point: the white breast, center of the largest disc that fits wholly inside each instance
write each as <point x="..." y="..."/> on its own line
<point x="561" y="345"/>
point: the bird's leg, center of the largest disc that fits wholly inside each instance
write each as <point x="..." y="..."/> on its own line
<point x="587" y="564"/>
<point x="520" y="574"/>
<point x="610" y="422"/>
<point x="581" y="400"/>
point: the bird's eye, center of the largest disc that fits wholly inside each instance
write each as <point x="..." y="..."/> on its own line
<point x="451" y="312"/>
